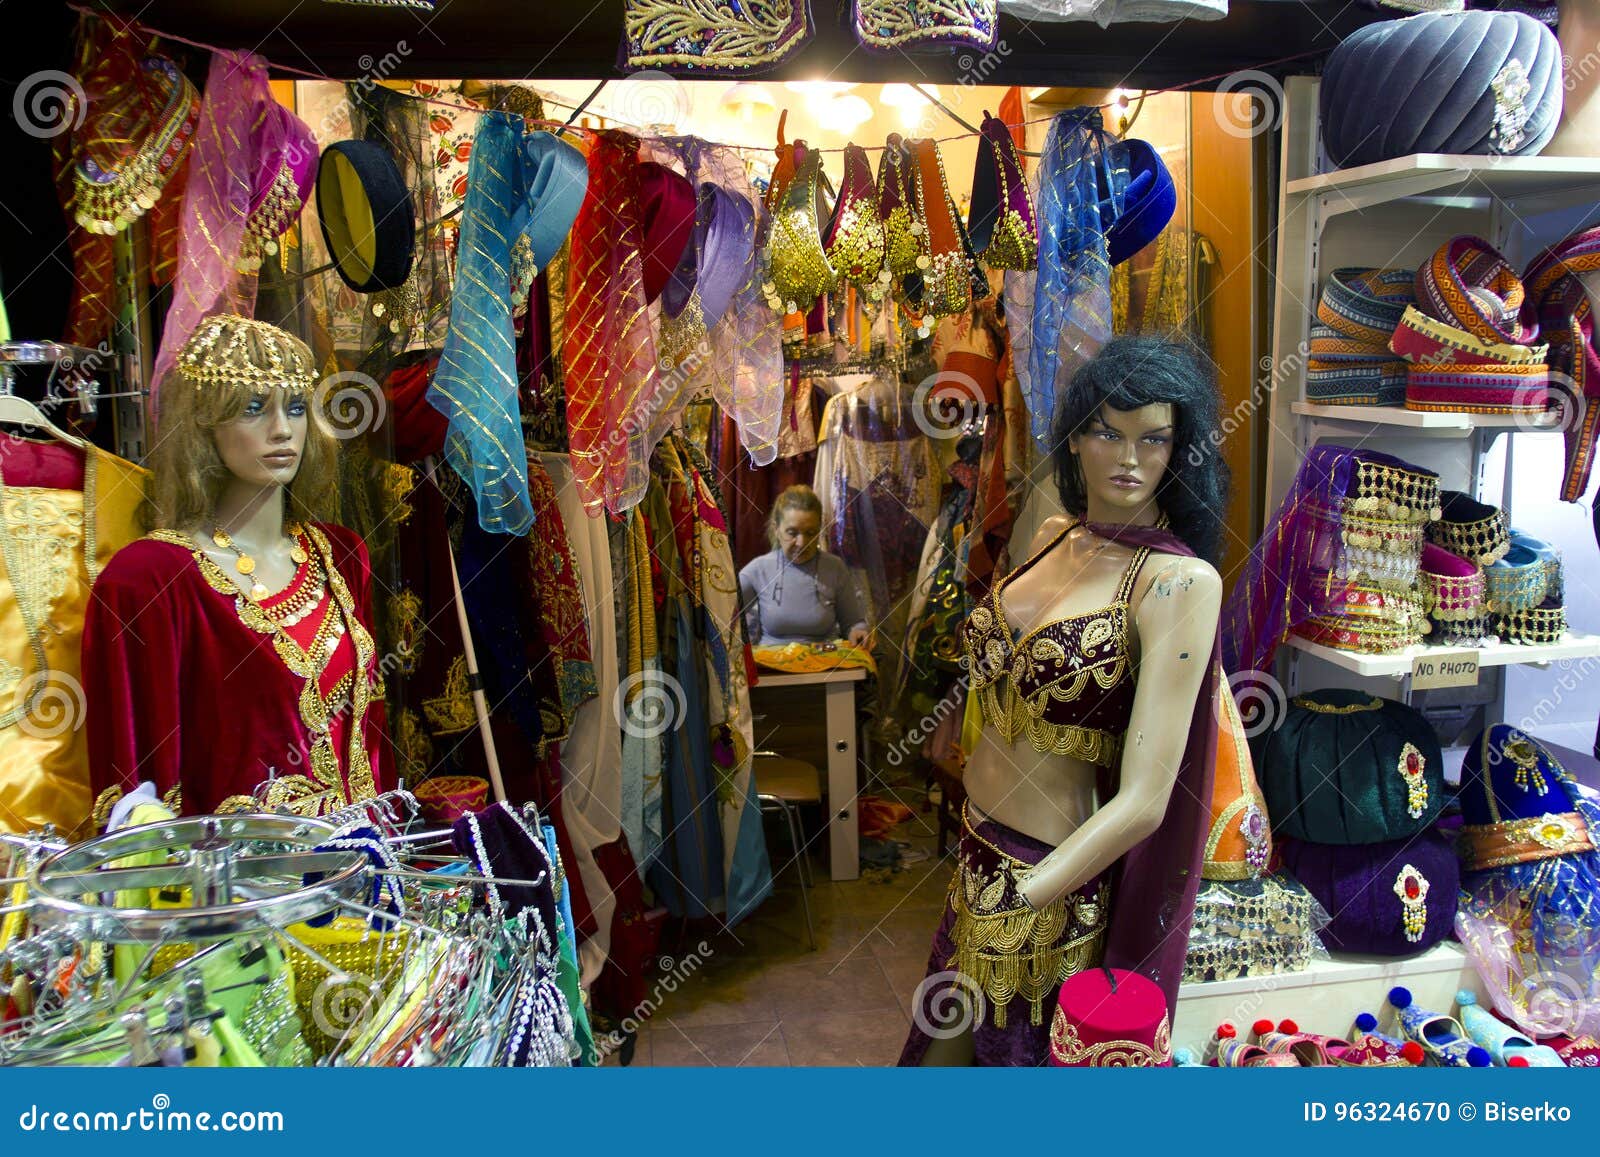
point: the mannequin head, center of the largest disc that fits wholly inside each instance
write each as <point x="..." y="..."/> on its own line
<point x="795" y="525"/>
<point x="240" y="412"/>
<point x="1137" y="437"/>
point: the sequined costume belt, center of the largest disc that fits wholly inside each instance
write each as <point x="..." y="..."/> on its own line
<point x="1009" y="949"/>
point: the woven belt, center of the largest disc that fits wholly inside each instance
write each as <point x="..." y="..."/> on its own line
<point x="1466" y="263"/>
<point x="1366" y="304"/>
<point x="1427" y="340"/>
<point x="1478" y="389"/>
<point x="1523" y="841"/>
<point x="1367" y="636"/>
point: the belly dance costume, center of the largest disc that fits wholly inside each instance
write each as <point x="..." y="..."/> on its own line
<point x="1067" y="686"/>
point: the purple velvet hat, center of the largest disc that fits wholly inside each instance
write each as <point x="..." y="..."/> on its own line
<point x="1391" y="899"/>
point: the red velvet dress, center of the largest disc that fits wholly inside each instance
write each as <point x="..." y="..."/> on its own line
<point x="207" y="695"/>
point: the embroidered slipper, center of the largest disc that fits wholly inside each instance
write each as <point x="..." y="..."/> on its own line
<point x="1494" y="1034"/>
<point x="1372" y="1049"/>
<point x="1307" y="1049"/>
<point x="1440" y="1036"/>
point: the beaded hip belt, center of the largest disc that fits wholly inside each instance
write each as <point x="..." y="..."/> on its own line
<point x="1009" y="949"/>
<point x="1523" y="841"/>
<point x="1543" y="624"/>
<point x="1474" y="530"/>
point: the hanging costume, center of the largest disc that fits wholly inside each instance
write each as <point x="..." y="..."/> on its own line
<point x="63" y="514"/>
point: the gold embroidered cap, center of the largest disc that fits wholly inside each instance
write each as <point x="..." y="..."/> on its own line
<point x="242" y="353"/>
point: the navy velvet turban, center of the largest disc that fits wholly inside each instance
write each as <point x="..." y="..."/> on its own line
<point x="1442" y="82"/>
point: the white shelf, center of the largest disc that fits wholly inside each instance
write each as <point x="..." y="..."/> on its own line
<point x="1423" y="173"/>
<point x="1398" y="664"/>
<point x="1326" y="997"/>
<point x="1403" y="418"/>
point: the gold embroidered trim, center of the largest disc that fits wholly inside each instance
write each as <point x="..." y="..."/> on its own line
<point x="413" y="747"/>
<point x="451" y="712"/>
<point x="1011" y="950"/>
<point x="103" y="804"/>
<point x="1068" y="1048"/>
<point x="1333" y="709"/>
<point x="1522" y="841"/>
<point x="316" y="710"/>
<point x="172" y="799"/>
<point x="238" y="803"/>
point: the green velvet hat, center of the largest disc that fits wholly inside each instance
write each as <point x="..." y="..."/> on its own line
<point x="1346" y="767"/>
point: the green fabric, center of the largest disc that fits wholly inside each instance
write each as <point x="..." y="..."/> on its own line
<point x="1334" y="776"/>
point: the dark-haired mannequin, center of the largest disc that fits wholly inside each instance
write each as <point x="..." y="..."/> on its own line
<point x="1111" y="644"/>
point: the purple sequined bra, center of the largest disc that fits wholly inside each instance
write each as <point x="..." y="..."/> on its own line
<point x="1067" y="685"/>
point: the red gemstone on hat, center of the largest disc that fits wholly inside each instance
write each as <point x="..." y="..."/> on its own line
<point x="1413" y="761"/>
<point x="1412" y="888"/>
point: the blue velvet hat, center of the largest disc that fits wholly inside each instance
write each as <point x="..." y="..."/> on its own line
<point x="1148" y="204"/>
<point x="1509" y="775"/>
<point x="1482" y="83"/>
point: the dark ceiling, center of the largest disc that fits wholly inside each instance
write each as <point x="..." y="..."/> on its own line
<point x="577" y="39"/>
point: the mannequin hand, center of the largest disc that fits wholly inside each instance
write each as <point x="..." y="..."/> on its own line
<point x="859" y="637"/>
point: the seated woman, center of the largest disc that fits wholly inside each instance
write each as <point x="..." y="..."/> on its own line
<point x="798" y="593"/>
<point x="1091" y="679"/>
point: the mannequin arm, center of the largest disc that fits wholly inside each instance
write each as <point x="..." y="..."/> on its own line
<point x="1177" y="624"/>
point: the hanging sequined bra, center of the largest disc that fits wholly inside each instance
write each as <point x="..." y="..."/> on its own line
<point x="1067" y="685"/>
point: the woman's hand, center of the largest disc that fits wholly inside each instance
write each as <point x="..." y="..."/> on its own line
<point x="859" y="637"/>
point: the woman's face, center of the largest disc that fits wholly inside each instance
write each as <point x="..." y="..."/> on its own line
<point x="1124" y="456"/>
<point x="264" y="444"/>
<point x="798" y="531"/>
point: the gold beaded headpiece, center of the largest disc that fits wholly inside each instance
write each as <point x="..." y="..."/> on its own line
<point x="219" y="353"/>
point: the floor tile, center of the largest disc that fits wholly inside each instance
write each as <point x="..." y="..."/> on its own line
<point x="846" y="1038"/>
<point x="750" y="1045"/>
<point x="905" y="973"/>
<point x="854" y="985"/>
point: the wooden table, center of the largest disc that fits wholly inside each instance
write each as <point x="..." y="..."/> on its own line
<point x="839" y="701"/>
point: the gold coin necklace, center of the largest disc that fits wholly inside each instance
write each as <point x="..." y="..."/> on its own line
<point x="246" y="565"/>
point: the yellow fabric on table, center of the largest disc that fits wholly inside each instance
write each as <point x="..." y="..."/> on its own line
<point x="809" y="658"/>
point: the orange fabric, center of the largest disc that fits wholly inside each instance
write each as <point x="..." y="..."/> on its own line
<point x="1230" y="854"/>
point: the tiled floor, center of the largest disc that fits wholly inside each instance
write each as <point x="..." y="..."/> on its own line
<point x="762" y="997"/>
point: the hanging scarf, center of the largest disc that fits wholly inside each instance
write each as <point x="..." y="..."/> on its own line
<point x="1080" y="193"/>
<point x="1156" y="881"/>
<point x="1556" y="292"/>
<point x="216" y="204"/>
<point x="476" y="383"/>
<point x="611" y="355"/>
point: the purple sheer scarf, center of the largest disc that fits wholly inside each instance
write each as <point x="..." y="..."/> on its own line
<point x="1154" y="884"/>
<point x="1291" y="575"/>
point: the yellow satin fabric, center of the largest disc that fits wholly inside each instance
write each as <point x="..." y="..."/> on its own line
<point x="44" y="761"/>
<point x="806" y="658"/>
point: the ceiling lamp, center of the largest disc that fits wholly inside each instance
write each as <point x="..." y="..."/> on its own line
<point x="747" y="98"/>
<point x="844" y="114"/>
<point x="819" y="88"/>
<point x="904" y="96"/>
